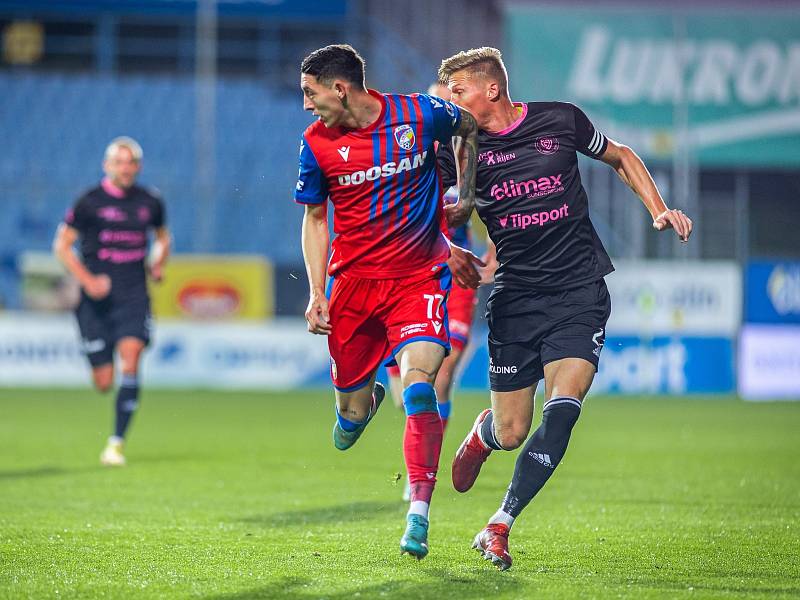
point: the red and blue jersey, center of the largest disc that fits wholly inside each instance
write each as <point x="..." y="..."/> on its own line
<point x="384" y="186"/>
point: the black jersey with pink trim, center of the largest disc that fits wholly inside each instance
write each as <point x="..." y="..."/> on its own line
<point x="114" y="235"/>
<point x="530" y="196"/>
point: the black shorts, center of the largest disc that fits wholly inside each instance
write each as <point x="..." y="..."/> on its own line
<point x="529" y="329"/>
<point x="103" y="323"/>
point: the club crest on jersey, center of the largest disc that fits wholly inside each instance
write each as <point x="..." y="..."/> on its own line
<point x="547" y="145"/>
<point x="404" y="136"/>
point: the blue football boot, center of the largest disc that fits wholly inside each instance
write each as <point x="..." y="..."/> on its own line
<point x="415" y="539"/>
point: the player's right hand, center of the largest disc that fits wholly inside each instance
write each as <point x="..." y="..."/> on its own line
<point x="462" y="265"/>
<point x="98" y="287"/>
<point x="317" y="317"/>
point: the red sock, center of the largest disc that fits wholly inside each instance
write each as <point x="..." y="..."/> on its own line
<point x="422" y="444"/>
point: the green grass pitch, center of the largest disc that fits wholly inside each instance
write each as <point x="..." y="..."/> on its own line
<point x="242" y="495"/>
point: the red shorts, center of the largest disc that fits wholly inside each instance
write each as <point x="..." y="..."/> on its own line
<point x="460" y="309"/>
<point x="372" y="319"/>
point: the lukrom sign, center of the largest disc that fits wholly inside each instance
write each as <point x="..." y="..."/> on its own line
<point x="722" y="86"/>
<point x="660" y="70"/>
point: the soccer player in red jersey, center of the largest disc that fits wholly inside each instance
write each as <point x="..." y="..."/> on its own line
<point x="549" y="306"/>
<point x="460" y="309"/>
<point x="112" y="222"/>
<point x="389" y="271"/>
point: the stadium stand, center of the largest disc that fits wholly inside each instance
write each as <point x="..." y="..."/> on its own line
<point x="68" y="120"/>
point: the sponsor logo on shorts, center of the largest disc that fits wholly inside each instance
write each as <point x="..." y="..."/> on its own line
<point x="92" y="346"/>
<point x="530" y="188"/>
<point x="495" y="158"/>
<point x="547" y="145"/>
<point x="598" y="339"/>
<point x="523" y="221"/>
<point x="501" y="369"/>
<point x="413" y="329"/>
<point x="458" y="327"/>
<point x="334" y="372"/>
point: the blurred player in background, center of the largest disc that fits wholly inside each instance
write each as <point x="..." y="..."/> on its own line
<point x="112" y="222"/>
<point x="373" y="155"/>
<point x="460" y="309"/>
<point x="548" y="310"/>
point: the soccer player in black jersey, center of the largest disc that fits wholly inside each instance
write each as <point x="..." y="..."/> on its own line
<point x="548" y="311"/>
<point x="112" y="222"/>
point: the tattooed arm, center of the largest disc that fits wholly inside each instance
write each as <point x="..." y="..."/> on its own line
<point x="465" y="149"/>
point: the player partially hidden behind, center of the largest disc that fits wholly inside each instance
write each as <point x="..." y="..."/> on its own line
<point x="112" y="222"/>
<point x="548" y="311"/>
<point x="373" y="155"/>
<point x="460" y="308"/>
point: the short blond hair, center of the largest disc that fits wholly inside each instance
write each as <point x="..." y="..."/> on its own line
<point x="485" y="61"/>
<point x="124" y="142"/>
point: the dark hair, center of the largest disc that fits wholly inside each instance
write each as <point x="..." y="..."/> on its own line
<point x="335" y="61"/>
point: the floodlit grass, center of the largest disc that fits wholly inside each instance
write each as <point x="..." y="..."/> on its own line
<point x="242" y="495"/>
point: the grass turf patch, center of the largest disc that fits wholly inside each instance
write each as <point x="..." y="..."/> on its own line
<point x="242" y="495"/>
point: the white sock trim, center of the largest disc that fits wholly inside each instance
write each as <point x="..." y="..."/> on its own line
<point x="418" y="507"/>
<point x="562" y="400"/>
<point x="502" y="517"/>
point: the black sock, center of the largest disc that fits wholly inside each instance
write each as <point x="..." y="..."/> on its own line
<point x="127" y="401"/>
<point x="487" y="432"/>
<point x="542" y="453"/>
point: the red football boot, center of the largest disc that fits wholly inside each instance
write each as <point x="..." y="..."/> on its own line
<point x="470" y="456"/>
<point x="492" y="543"/>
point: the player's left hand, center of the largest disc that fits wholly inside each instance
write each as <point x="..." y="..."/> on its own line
<point x="464" y="267"/>
<point x="674" y="219"/>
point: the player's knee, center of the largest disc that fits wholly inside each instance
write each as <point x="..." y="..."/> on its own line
<point x="129" y="362"/>
<point x="418" y="398"/>
<point x="510" y="436"/>
<point x="103" y="379"/>
<point x="103" y="386"/>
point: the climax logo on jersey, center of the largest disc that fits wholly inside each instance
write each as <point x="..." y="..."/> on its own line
<point x="532" y="188"/>
<point x="404" y="136"/>
<point x="547" y="145"/>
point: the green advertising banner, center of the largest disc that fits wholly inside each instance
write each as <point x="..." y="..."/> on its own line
<point x="723" y="86"/>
